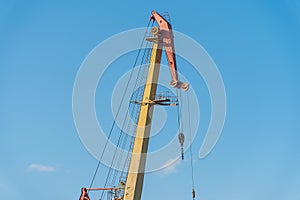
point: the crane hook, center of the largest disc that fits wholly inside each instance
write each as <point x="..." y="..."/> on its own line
<point x="193" y="193"/>
<point x="181" y="141"/>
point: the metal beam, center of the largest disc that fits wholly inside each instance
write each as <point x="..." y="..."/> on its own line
<point x="135" y="177"/>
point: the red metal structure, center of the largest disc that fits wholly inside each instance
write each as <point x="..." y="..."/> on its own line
<point x="167" y="36"/>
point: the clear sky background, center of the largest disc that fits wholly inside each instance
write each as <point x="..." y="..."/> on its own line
<point x="255" y="45"/>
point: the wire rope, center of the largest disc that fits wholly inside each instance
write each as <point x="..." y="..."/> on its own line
<point x="119" y="108"/>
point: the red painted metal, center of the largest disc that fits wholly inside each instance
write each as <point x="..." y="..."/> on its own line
<point x="167" y="36"/>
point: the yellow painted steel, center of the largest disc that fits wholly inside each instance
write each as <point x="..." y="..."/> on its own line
<point x="135" y="178"/>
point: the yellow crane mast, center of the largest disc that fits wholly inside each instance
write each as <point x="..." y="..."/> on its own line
<point x="163" y="37"/>
<point x="135" y="177"/>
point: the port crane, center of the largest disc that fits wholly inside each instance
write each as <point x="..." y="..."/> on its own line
<point x="161" y="38"/>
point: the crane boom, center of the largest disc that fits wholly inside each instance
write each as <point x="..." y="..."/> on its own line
<point x="135" y="177"/>
<point x="162" y="38"/>
<point x="167" y="37"/>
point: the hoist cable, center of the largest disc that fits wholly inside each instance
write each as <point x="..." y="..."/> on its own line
<point x="119" y="108"/>
<point x="118" y="158"/>
<point x="118" y="162"/>
<point x="181" y="108"/>
<point x="190" y="136"/>
<point x="138" y="94"/>
<point x="110" y="169"/>
<point x="178" y="112"/>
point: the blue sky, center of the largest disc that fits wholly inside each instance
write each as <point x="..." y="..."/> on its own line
<point x="255" y="45"/>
